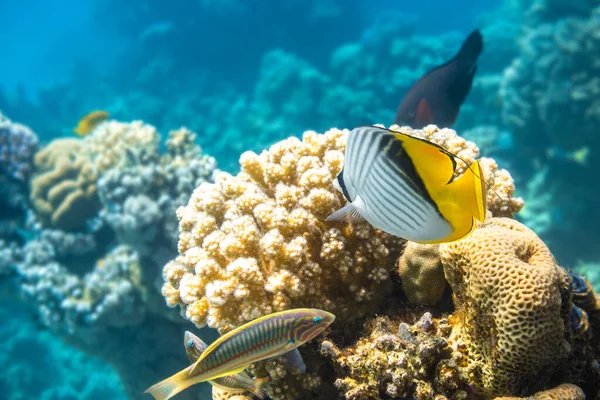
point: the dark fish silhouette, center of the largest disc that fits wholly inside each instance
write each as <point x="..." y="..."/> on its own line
<point x="438" y="95"/>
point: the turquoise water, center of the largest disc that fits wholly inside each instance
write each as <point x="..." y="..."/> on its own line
<point x="243" y="75"/>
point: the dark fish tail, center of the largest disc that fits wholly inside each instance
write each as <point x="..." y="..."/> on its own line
<point x="466" y="66"/>
<point x="471" y="49"/>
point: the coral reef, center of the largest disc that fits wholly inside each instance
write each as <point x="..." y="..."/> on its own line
<point x="550" y="103"/>
<point x="141" y="196"/>
<point x="102" y="225"/>
<point x="514" y="331"/>
<point x="255" y="243"/>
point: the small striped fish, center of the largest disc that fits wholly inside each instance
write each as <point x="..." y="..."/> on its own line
<point x="238" y="383"/>
<point x="270" y="336"/>
<point x="403" y="185"/>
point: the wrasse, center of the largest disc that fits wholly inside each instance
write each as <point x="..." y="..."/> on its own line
<point x="267" y="337"/>
<point x="89" y="122"/>
<point x="404" y="186"/>
<point x="238" y="383"/>
<point x="436" y="97"/>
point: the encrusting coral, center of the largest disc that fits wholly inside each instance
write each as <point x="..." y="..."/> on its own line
<point x="513" y="304"/>
<point x="395" y="360"/>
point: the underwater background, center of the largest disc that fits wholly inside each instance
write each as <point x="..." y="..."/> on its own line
<point x="87" y="225"/>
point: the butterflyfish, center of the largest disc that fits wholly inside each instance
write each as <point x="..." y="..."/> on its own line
<point x="267" y="337"/>
<point x="437" y="96"/>
<point x="238" y="383"/>
<point x="404" y="186"/>
<point x="89" y="122"/>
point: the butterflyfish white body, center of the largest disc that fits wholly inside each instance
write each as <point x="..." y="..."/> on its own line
<point x="404" y="186"/>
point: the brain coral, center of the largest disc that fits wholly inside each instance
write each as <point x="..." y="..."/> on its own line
<point x="422" y="273"/>
<point x="513" y="301"/>
<point x="256" y="243"/>
<point x="63" y="190"/>
<point x="565" y="391"/>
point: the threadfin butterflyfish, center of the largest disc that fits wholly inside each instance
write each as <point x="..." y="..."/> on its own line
<point x="238" y="383"/>
<point x="266" y="337"/>
<point x="437" y="96"/>
<point x="404" y="186"/>
<point x="87" y="124"/>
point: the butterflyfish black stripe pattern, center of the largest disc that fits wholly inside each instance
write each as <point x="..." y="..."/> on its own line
<point x="382" y="189"/>
<point x="408" y="192"/>
<point x="390" y="213"/>
<point x="397" y="155"/>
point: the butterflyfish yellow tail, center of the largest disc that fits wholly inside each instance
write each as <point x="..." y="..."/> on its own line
<point x="470" y="190"/>
<point x="169" y="387"/>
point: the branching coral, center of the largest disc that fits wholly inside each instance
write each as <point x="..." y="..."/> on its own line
<point x="513" y="303"/>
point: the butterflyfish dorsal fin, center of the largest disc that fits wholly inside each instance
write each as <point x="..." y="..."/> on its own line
<point x="432" y="163"/>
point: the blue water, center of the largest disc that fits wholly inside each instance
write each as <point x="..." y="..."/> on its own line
<point x="202" y="64"/>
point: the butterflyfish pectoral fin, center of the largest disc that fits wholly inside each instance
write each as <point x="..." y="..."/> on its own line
<point x="349" y="211"/>
<point x="169" y="387"/>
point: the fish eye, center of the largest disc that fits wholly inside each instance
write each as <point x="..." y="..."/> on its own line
<point x="190" y="343"/>
<point x="317" y="320"/>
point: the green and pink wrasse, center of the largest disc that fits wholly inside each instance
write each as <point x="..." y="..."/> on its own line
<point x="267" y="337"/>
<point x="238" y="383"/>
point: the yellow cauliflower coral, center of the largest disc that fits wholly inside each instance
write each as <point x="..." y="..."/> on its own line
<point x="256" y="243"/>
<point x="514" y="305"/>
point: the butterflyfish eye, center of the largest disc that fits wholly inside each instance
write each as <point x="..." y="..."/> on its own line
<point x="317" y="320"/>
<point x="190" y="343"/>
